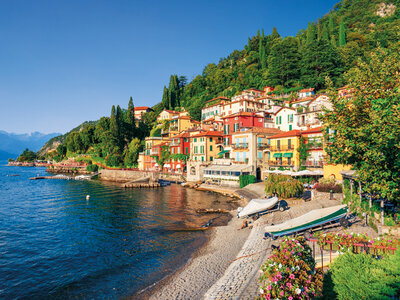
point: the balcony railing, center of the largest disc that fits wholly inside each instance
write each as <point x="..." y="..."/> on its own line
<point x="173" y="128"/>
<point x="280" y="164"/>
<point x="314" y="146"/>
<point x="240" y="146"/>
<point x="261" y="146"/>
<point x="282" y="148"/>
<point x="313" y="163"/>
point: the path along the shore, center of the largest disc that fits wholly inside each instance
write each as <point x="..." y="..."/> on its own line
<point x="228" y="267"/>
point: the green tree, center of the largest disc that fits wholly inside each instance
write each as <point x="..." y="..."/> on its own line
<point x="366" y="126"/>
<point x="27" y="156"/>
<point x="130" y="125"/>
<point x="132" y="153"/>
<point x="165" y="98"/>
<point x="342" y="34"/>
<point x="284" y="63"/>
<point x="114" y="130"/>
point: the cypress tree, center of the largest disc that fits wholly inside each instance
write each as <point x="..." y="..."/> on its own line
<point x="324" y="34"/>
<point x="342" y="34"/>
<point x="130" y="121"/>
<point x="261" y="52"/>
<point x="275" y="34"/>
<point x="165" y="98"/>
<point x="331" y="25"/>
<point x="310" y="36"/>
<point x="113" y="123"/>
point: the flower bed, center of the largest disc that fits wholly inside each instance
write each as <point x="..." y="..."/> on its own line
<point x="289" y="273"/>
<point x="346" y="242"/>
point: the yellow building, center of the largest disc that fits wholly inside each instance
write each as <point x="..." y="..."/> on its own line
<point x="179" y="124"/>
<point x="141" y="161"/>
<point x="205" y="146"/>
<point x="167" y="115"/>
<point x="283" y="150"/>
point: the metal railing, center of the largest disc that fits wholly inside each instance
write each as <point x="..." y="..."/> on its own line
<point x="240" y="146"/>
<point x="263" y="145"/>
<point x="282" y="148"/>
<point x="311" y="163"/>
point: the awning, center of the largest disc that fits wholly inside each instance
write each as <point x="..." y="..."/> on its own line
<point x="178" y="166"/>
<point x="277" y="155"/>
<point x="288" y="154"/>
<point x="223" y="152"/>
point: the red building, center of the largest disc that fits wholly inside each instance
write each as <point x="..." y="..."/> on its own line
<point x="234" y="122"/>
<point x="180" y="144"/>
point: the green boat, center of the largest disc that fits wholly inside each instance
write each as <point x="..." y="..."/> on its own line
<point x="309" y="220"/>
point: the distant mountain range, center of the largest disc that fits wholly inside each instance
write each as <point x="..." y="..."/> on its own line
<point x="12" y="144"/>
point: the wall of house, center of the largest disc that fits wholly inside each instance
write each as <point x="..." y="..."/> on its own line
<point x="284" y="142"/>
<point x="285" y="119"/>
<point x="333" y="171"/>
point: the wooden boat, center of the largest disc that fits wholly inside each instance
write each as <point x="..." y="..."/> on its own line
<point x="311" y="219"/>
<point x="257" y="205"/>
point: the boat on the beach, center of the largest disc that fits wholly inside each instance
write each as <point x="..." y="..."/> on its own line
<point x="309" y="220"/>
<point x="82" y="177"/>
<point x="256" y="206"/>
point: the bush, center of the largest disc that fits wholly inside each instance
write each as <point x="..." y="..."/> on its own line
<point x="283" y="186"/>
<point x="92" y="168"/>
<point x="289" y="273"/>
<point x="246" y="179"/>
<point x="360" y="276"/>
<point x="327" y="187"/>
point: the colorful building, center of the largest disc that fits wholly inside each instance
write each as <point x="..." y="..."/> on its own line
<point x="167" y="115"/>
<point x="308" y="116"/>
<point x="233" y="123"/>
<point x="212" y="108"/>
<point x="149" y="162"/>
<point x="205" y="146"/>
<point x="140" y="110"/>
<point x="180" y="144"/>
<point x="180" y="124"/>
<point x="284" y="150"/>
<point x="314" y="140"/>
<point x="285" y="119"/>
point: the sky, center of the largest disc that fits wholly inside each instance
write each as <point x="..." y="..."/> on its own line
<point x="65" y="62"/>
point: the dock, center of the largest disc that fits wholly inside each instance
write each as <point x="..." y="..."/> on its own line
<point x="51" y="177"/>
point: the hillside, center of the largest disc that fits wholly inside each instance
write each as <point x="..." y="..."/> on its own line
<point x="59" y="139"/>
<point x="327" y="47"/>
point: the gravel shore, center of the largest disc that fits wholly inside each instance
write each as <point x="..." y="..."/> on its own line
<point x="207" y="265"/>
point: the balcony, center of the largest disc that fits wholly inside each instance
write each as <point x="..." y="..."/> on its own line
<point x="286" y="164"/>
<point x="315" y="146"/>
<point x="313" y="163"/>
<point x="261" y="146"/>
<point x="240" y="146"/>
<point x="282" y="148"/>
<point x="173" y="128"/>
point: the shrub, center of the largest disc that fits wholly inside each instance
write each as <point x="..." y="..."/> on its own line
<point x="360" y="276"/>
<point x="289" y="273"/>
<point x="92" y="168"/>
<point x="283" y="186"/>
<point x="246" y="179"/>
<point x="327" y="187"/>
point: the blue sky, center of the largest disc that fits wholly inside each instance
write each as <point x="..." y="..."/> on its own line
<point x="64" y="62"/>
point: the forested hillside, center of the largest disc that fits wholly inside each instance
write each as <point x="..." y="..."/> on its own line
<point x="328" y="46"/>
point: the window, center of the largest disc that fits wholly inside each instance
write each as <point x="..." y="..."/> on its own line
<point x="289" y="143"/>
<point x="290" y="127"/>
<point x="186" y="150"/>
<point x="211" y="158"/>
<point x="210" y="147"/>
<point x="210" y="140"/>
<point x="202" y="158"/>
<point x="280" y="119"/>
<point x="195" y="140"/>
<point x="259" y="154"/>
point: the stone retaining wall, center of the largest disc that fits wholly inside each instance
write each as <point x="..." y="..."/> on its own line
<point x="126" y="175"/>
<point x="320" y="196"/>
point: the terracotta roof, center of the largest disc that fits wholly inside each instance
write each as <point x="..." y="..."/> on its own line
<point x="283" y="107"/>
<point x="309" y="98"/>
<point x="218" y="98"/>
<point x="312" y="130"/>
<point x="142" y="108"/>
<point x="290" y="133"/>
<point x="172" y="111"/>
<point x="184" y="117"/>
<point x="266" y="130"/>
<point x="306" y="90"/>
<point x="209" y="133"/>
<point x="182" y="135"/>
<point x="242" y="113"/>
<point x="195" y="122"/>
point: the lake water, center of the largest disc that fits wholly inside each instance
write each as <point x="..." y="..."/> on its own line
<point x="56" y="244"/>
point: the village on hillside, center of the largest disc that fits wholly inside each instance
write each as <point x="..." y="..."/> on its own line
<point x="253" y="133"/>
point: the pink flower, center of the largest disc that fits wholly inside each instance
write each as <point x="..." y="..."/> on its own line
<point x="289" y="285"/>
<point x="291" y="276"/>
<point x="282" y="293"/>
<point x="290" y="298"/>
<point x="308" y="281"/>
<point x="269" y="287"/>
<point x="268" y="296"/>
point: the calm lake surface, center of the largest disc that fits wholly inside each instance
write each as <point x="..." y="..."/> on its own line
<point x="56" y="244"/>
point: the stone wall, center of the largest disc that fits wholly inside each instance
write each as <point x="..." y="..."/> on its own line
<point x="195" y="170"/>
<point x="315" y="195"/>
<point x="126" y="175"/>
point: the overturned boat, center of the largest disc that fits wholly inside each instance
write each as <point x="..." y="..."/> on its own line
<point x="309" y="220"/>
<point x="256" y="206"/>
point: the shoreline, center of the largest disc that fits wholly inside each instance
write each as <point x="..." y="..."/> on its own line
<point x="206" y="265"/>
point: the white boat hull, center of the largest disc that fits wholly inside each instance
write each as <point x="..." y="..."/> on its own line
<point x="257" y="205"/>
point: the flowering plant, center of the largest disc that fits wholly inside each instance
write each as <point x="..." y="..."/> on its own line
<point x="345" y="242"/>
<point x="289" y="273"/>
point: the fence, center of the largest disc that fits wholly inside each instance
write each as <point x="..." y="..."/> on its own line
<point x="357" y="248"/>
